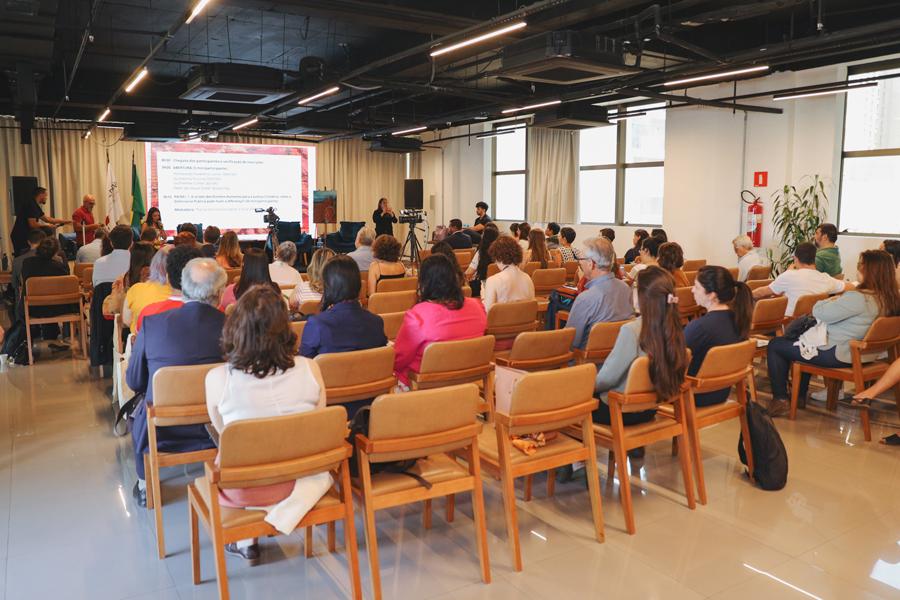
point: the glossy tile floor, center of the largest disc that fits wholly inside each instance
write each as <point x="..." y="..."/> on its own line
<point x="69" y="528"/>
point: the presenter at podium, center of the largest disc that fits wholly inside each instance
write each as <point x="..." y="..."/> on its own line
<point x="384" y="218"/>
<point x="28" y="217"/>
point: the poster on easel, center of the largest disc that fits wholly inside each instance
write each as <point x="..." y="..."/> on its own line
<point x="324" y="210"/>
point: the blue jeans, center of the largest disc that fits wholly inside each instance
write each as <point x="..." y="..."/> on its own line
<point x="556" y="304"/>
<point x="781" y="354"/>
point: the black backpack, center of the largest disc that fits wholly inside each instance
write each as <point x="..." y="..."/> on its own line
<point x="359" y="425"/>
<point x="770" y="460"/>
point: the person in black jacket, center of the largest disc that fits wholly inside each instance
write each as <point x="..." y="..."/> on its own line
<point x="457" y="239"/>
<point x="384" y="218"/>
<point x="46" y="262"/>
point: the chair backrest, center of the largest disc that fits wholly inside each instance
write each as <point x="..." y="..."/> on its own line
<point x="735" y="272"/>
<point x="768" y="314"/>
<point x="687" y="305"/>
<point x="547" y="280"/>
<point x="392" y="323"/>
<point x="398" y="285"/>
<point x="724" y="366"/>
<point x="640" y="393"/>
<point x="804" y="304"/>
<point x="464" y="257"/>
<point x="364" y="285"/>
<point x="509" y="319"/>
<point x="423" y="254"/>
<point x="531" y="267"/>
<point x="295" y="446"/>
<point x="389" y="302"/>
<point x="179" y="395"/>
<point x="571" y="268"/>
<point x="87" y="277"/>
<point x="759" y="272"/>
<point x="79" y="269"/>
<point x="233" y="274"/>
<point x="691" y="276"/>
<point x="538" y="350"/>
<point x="551" y="400"/>
<point x="693" y="265"/>
<point x="298" y="327"/>
<point x="883" y="334"/>
<point x="601" y="340"/>
<point x="492" y="269"/>
<point x="357" y="375"/>
<point x="287" y="287"/>
<point x="310" y="307"/>
<point x="420" y="423"/>
<point x="118" y="327"/>
<point x="52" y="290"/>
<point x="454" y="358"/>
<point x="556" y="256"/>
<point x="758" y="283"/>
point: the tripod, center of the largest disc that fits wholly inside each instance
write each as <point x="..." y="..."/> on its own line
<point x="412" y="242"/>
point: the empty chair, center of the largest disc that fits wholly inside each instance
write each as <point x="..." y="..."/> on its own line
<point x="693" y="265"/>
<point x="547" y="280"/>
<point x="805" y="305"/>
<point x="539" y="350"/>
<point x="390" y="302"/>
<point x="600" y="342"/>
<point x="61" y="291"/>
<point x="307" y="444"/>
<point x="464" y="257"/>
<point x="455" y="362"/>
<point x="759" y="272"/>
<point x="398" y="285"/>
<point x="392" y="323"/>
<point x="423" y="254"/>
<point x="421" y="426"/>
<point x="506" y="321"/>
<point x="357" y="375"/>
<point x="768" y="316"/>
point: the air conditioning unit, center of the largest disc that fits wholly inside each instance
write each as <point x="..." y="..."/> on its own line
<point x="399" y="145"/>
<point x="317" y="123"/>
<point x="572" y="116"/>
<point x="229" y="82"/>
<point x="564" y="58"/>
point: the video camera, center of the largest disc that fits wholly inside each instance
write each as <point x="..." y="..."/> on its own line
<point x="270" y="218"/>
<point x="412" y="216"/>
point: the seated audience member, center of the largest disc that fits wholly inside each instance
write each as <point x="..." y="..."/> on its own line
<point x="892" y="247"/>
<point x="524" y="232"/>
<point x="282" y="270"/>
<point x="363" y="253"/>
<point x="138" y="271"/>
<point x="229" y="255"/>
<point x="263" y="378"/>
<point x="189" y="228"/>
<point x="442" y="314"/>
<point x="729" y="310"/>
<point x="671" y="258"/>
<point x="639" y="236"/>
<point x="514" y="231"/>
<point x="828" y="257"/>
<point x="176" y="260"/>
<point x="846" y="318"/>
<point x="254" y="272"/>
<point x="604" y="298"/>
<point x="35" y="237"/>
<point x="89" y="253"/>
<point x="187" y="336"/>
<point x="185" y="238"/>
<point x="44" y="263"/>
<point x="659" y="234"/>
<point x="457" y="239"/>
<point x="511" y="284"/>
<point x="647" y="257"/>
<point x="476" y="273"/>
<point x="552" y="235"/>
<point x="747" y="256"/>
<point x="210" y="245"/>
<point x="386" y="264"/>
<point x="569" y="253"/>
<point x="609" y="233"/>
<point x="445" y="249"/>
<point x="154" y="289"/>
<point x="311" y="291"/>
<point x="801" y="280"/>
<point x="537" y="249"/>
<point x="656" y="333"/>
<point x="110" y="267"/>
<point x="148" y="235"/>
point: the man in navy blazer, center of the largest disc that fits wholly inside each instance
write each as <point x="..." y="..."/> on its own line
<point x="458" y="239"/>
<point x="188" y="335"/>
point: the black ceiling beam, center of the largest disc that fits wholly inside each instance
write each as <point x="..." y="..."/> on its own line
<point x="699" y="101"/>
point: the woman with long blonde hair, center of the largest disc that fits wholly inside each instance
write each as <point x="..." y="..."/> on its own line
<point x="229" y="255"/>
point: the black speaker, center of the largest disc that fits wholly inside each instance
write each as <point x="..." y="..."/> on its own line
<point x="412" y="193"/>
<point x="21" y="190"/>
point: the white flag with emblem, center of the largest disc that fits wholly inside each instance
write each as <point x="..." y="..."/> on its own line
<point x="114" y="211"/>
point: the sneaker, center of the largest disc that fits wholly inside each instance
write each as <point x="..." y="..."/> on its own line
<point x="139" y="495"/>
<point x="778" y="408"/>
<point x="249" y="553"/>
<point x="822" y="395"/>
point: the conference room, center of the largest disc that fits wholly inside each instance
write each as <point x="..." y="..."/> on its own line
<point x="470" y="300"/>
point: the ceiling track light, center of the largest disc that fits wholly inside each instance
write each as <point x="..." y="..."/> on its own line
<point x="491" y="134"/>
<point x="722" y="75"/>
<point x="480" y="38"/>
<point x="411" y="130"/>
<point x="328" y="92"/>
<point x="104" y="115"/>
<point x="530" y="106"/>
<point x="252" y="121"/>
<point x="625" y="116"/>
<point x="197" y="8"/>
<point x="137" y="79"/>
<point x="825" y="92"/>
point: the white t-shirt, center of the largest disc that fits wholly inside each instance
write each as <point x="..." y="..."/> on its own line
<point x="284" y="274"/>
<point x="89" y="253"/>
<point x="110" y="267"/>
<point x="747" y="262"/>
<point x="802" y="282"/>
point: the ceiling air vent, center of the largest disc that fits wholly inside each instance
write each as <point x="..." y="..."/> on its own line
<point x="228" y="82"/>
<point x="572" y="117"/>
<point x="564" y="58"/>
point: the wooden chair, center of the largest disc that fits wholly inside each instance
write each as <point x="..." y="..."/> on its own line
<point x="804" y="306"/>
<point x="121" y="391"/>
<point x="640" y="395"/>
<point x="464" y="257"/>
<point x="547" y="280"/>
<point x="735" y="272"/>
<point x="883" y="336"/>
<point x="298" y="327"/>
<point x="421" y="425"/>
<point x="57" y="290"/>
<point x="693" y="265"/>
<point x="544" y="402"/>
<point x="460" y="361"/>
<point x="492" y="269"/>
<point x="571" y="268"/>
<point x="357" y="375"/>
<point x="687" y="306"/>
<point x="758" y="283"/>
<point x="310" y="307"/>
<point x="600" y="342"/>
<point x="233" y="274"/>
<point x="539" y="350"/>
<point x="398" y="285"/>
<point x="297" y="445"/>
<point x="507" y="320"/>
<point x="724" y="367"/>
<point x="364" y="288"/>
<point x="390" y="302"/>
<point x="556" y="256"/>
<point x="691" y="276"/>
<point x="423" y="254"/>
<point x="531" y="267"/>
<point x="79" y="268"/>
<point x="392" y="323"/>
<point x="768" y="317"/>
<point x="179" y="398"/>
<point x="759" y="272"/>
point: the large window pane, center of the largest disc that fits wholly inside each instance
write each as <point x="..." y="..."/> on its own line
<point x="870" y="200"/>
<point x="597" y="146"/>
<point x="510" y="151"/>
<point x="510" y="197"/>
<point x="645" y="137"/>
<point x="643" y="195"/>
<point x="597" y="196"/>
<point x="873" y="115"/>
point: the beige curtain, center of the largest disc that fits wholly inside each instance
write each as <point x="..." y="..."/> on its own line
<point x="552" y="172"/>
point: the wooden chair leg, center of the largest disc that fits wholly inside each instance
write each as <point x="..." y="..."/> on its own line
<point x="426" y="514"/>
<point x="833" y="388"/>
<point x="478" y="514"/>
<point x="332" y="543"/>
<point x="508" y="489"/>
<point x="551" y="481"/>
<point x="795" y="389"/>
<point x="28" y="336"/>
<point x="866" y="425"/>
<point x="528" y="487"/>
<point x="154" y="486"/>
<point x="195" y="542"/>
<point x="450" y="508"/>
<point x="369" y="521"/>
<point x="674" y="446"/>
<point x="625" y="487"/>
<point x="593" y="479"/>
<point x="697" y="459"/>
<point x="308" y="544"/>
<point x="217" y="544"/>
<point x="686" y="471"/>
<point x="350" y="533"/>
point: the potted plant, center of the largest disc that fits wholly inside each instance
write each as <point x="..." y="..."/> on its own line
<point x="796" y="212"/>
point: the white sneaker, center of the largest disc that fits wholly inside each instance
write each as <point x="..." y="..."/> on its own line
<point x="822" y="395"/>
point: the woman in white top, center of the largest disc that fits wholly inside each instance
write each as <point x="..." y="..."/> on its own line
<point x="511" y="284"/>
<point x="263" y="378"/>
<point x="523" y="232"/>
<point x="476" y="273"/>
<point x="282" y="271"/>
<point x="311" y="290"/>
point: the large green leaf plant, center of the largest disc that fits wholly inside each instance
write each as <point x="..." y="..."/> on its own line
<point x="796" y="212"/>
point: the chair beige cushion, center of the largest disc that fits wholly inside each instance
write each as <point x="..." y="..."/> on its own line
<point x="434" y="469"/>
<point x="487" y="445"/>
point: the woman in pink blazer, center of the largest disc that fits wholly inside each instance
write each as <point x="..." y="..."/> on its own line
<point x="442" y="314"/>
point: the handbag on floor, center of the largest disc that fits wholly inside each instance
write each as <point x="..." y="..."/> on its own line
<point x="770" y="461"/>
<point x="359" y="425"/>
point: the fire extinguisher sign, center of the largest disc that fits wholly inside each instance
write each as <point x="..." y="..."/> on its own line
<point x="760" y="178"/>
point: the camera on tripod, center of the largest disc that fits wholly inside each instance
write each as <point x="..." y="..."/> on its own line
<point x="412" y="216"/>
<point x="270" y="218"/>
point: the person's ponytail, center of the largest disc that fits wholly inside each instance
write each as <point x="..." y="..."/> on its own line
<point x="742" y="307"/>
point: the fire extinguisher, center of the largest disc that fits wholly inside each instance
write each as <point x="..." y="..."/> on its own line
<point x="753" y="217"/>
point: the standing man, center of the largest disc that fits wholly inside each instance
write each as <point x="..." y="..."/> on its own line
<point x="482" y="219"/>
<point x="83" y="221"/>
<point x="828" y="257"/>
<point x="28" y="217"/>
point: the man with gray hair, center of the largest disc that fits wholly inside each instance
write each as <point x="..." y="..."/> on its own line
<point x="282" y="271"/>
<point x="188" y="335"/>
<point x="363" y="253"/>
<point x="747" y="257"/>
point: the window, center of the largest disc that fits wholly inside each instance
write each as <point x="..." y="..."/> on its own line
<point x="870" y="162"/>
<point x="620" y="171"/>
<point x="509" y="173"/>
